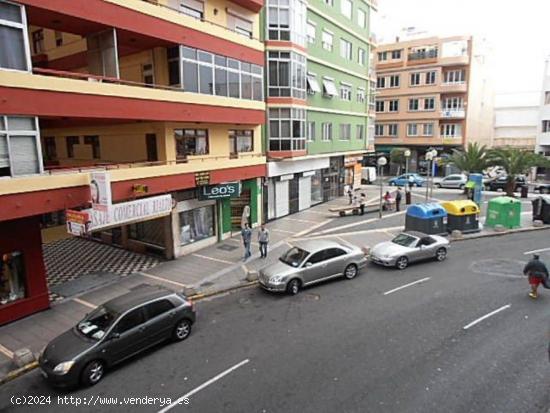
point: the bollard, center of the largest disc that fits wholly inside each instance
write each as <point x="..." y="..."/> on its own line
<point x="456" y="234"/>
<point x="189" y="291"/>
<point x="252" y="275"/>
<point x="499" y="228"/>
<point x="22" y="357"/>
<point x="538" y="223"/>
<point x="408" y="197"/>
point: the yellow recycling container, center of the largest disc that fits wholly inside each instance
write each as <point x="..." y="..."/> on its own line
<point x="462" y="215"/>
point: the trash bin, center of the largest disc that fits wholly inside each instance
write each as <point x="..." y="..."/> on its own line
<point x="504" y="211"/>
<point x="462" y="215"/>
<point x="430" y="218"/>
<point x="524" y="191"/>
<point x="541" y="208"/>
<point x="408" y="197"/>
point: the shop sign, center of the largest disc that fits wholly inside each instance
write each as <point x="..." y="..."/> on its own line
<point x="227" y="190"/>
<point x="202" y="178"/>
<point x="100" y="190"/>
<point x="77" y="222"/>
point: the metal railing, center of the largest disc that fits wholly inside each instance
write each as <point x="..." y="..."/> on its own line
<point x="425" y="54"/>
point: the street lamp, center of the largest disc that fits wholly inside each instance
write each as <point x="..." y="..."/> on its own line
<point x="434" y="153"/>
<point x="429" y="157"/>
<point x="407" y="154"/>
<point x="381" y="162"/>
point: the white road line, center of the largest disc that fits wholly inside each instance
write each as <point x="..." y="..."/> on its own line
<point x="407" y="285"/>
<point x="473" y="323"/>
<point x="204" y="385"/>
<point x="213" y="259"/>
<point x="5" y="351"/>
<point x="307" y="221"/>
<point x="535" y="251"/>
<point x="85" y="303"/>
<point x="154" y="277"/>
<point x="283" y="231"/>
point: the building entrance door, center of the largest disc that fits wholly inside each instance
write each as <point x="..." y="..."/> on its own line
<point x="294" y="195"/>
<point x="237" y="209"/>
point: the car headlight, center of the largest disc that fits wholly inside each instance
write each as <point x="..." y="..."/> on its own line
<point x="276" y="279"/>
<point x="63" y="368"/>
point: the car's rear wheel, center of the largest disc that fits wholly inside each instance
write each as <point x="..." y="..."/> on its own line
<point x="392" y="183"/>
<point x="461" y="187"/>
<point x="438" y="185"/>
<point x="293" y="286"/>
<point x="402" y="263"/>
<point x="441" y="254"/>
<point x="350" y="272"/>
<point x="182" y="330"/>
<point x="93" y="372"/>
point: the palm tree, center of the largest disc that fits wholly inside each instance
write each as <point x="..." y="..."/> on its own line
<point x="515" y="162"/>
<point x="473" y="159"/>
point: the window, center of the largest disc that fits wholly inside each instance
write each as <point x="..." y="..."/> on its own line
<point x="311" y="131"/>
<point x="415" y="79"/>
<point x="329" y="2"/>
<point x="193" y="8"/>
<point x="382" y="56"/>
<point x="361" y="56"/>
<point x="12" y="276"/>
<point x="451" y="130"/>
<point x="394" y="81"/>
<point x="427" y="129"/>
<point x="360" y="95"/>
<point x="547" y="98"/>
<point x="287" y="129"/>
<point x="241" y="140"/>
<point x="360" y="132"/>
<point x="329" y="88"/>
<point x="19" y="146"/>
<point x="454" y="76"/>
<point x="545" y="126"/>
<point x="327" y="131"/>
<point x="392" y="129"/>
<point x="312" y="84"/>
<point x="361" y="18"/>
<point x="412" y="129"/>
<point x="94" y="142"/>
<point x="310" y="33"/>
<point x="430" y="78"/>
<point x="190" y="142"/>
<point x="197" y="224"/>
<point x="239" y="24"/>
<point x="150" y="232"/>
<point x="131" y="320"/>
<point x="71" y="142"/>
<point x="287" y="21"/>
<point x="38" y="41"/>
<point x="380" y="82"/>
<point x="287" y="74"/>
<point x="326" y="41"/>
<point x="345" y="131"/>
<point x="345" y="92"/>
<point x="49" y="148"/>
<point x="158" y="307"/>
<point x="429" y="104"/>
<point x="317" y="258"/>
<point x="378" y="130"/>
<point x="380" y="105"/>
<point x="14" y="53"/>
<point x="345" y="49"/>
<point x="396" y="54"/>
<point x="413" y="105"/>
<point x="394" y="105"/>
<point x="453" y="103"/>
<point x="58" y="38"/>
<point x="345" y="8"/>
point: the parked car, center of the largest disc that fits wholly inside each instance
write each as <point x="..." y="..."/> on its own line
<point x="501" y="182"/>
<point x="408" y="247"/>
<point x="403" y="180"/>
<point x="310" y="262"/>
<point x="453" y="181"/>
<point x="542" y="188"/>
<point x="115" y="331"/>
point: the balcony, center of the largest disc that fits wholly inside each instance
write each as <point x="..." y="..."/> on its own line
<point x="454" y="113"/>
<point x="424" y="54"/>
<point x="454" y="87"/>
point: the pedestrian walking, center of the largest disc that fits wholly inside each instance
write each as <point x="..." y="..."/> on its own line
<point x="537" y="273"/>
<point x="398" y="197"/>
<point x="246" y="235"/>
<point x="263" y="239"/>
<point x="350" y="194"/>
<point x="362" y="202"/>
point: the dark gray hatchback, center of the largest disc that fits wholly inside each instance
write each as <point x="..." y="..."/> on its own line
<point x="114" y="331"/>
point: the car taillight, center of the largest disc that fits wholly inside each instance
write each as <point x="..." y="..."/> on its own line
<point x="192" y="305"/>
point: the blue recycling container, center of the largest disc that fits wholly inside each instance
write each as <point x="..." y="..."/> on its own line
<point x="429" y="218"/>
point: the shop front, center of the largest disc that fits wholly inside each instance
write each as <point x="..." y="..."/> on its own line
<point x="353" y="165"/>
<point x="293" y="186"/>
<point x="23" y="287"/>
<point x="333" y="179"/>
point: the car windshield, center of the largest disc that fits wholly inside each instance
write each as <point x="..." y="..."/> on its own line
<point x="294" y="256"/>
<point x="97" y="323"/>
<point x="404" y="240"/>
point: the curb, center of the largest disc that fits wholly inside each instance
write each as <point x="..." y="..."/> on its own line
<point x="500" y="234"/>
<point x="12" y="375"/>
<point x="200" y="296"/>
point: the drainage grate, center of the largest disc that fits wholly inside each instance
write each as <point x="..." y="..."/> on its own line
<point x="226" y="247"/>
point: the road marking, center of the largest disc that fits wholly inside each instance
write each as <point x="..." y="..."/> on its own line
<point x="213" y="259"/>
<point x="313" y="228"/>
<point x="407" y="285"/>
<point x="85" y="303"/>
<point x="357" y="223"/>
<point x="5" y="351"/>
<point x="366" y="231"/>
<point x="154" y="277"/>
<point x="535" y="251"/>
<point x="300" y="220"/>
<point x="473" y="323"/>
<point x="204" y="385"/>
<point x="283" y="231"/>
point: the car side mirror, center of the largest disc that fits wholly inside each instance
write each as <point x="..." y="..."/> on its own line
<point x="308" y="264"/>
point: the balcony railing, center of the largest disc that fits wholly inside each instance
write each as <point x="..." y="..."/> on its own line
<point x="424" y="54"/>
<point x="453" y="113"/>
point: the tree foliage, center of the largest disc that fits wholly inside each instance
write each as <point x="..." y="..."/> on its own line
<point x="474" y="159"/>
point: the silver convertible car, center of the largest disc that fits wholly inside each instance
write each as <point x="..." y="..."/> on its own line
<point x="311" y="262"/>
<point x="408" y="247"/>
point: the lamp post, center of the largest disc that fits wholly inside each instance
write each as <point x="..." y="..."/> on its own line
<point x="407" y="154"/>
<point x="429" y="157"/>
<point x="434" y="153"/>
<point x="381" y="162"/>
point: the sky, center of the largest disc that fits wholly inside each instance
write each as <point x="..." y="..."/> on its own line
<point x="518" y="32"/>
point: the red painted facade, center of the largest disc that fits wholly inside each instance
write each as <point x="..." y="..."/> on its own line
<point x="29" y="243"/>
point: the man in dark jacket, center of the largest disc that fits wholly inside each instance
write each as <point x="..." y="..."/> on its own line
<point x="398" y="197"/>
<point x="537" y="273"/>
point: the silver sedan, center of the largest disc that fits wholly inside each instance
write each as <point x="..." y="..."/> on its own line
<point x="408" y="247"/>
<point x="311" y="262"/>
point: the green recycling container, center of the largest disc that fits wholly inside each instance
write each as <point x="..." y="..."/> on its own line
<point x="504" y="211"/>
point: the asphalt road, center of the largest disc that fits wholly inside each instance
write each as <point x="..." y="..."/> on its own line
<point x="350" y="346"/>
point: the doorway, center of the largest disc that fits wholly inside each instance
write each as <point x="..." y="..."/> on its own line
<point x="151" y="144"/>
<point x="237" y="209"/>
